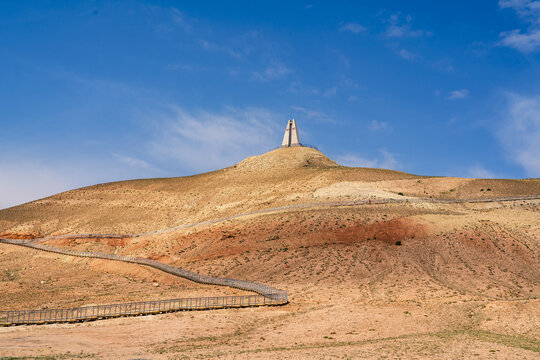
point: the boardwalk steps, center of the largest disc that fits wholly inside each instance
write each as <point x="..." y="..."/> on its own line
<point x="266" y="295"/>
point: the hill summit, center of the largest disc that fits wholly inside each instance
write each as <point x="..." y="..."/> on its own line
<point x="288" y="158"/>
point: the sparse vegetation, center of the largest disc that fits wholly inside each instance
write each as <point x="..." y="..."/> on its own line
<point x="11" y="275"/>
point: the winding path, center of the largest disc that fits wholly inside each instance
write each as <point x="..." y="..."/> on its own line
<point x="266" y="295"/>
<point x="294" y="207"/>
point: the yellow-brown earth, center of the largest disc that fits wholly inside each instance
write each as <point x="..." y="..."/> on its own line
<point x="407" y="280"/>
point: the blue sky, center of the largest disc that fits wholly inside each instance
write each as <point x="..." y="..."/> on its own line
<point x="99" y="91"/>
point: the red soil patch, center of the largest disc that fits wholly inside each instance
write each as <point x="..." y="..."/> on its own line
<point x="386" y="231"/>
<point x="117" y="242"/>
<point x="162" y="258"/>
<point x="113" y="242"/>
<point x="20" y="236"/>
<point x="321" y="230"/>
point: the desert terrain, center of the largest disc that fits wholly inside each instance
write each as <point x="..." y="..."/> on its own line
<point x="412" y="279"/>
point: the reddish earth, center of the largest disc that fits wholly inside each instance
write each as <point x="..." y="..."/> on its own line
<point x="19" y="236"/>
<point x="111" y="242"/>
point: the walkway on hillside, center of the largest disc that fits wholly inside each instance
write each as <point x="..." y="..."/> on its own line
<point x="266" y="295"/>
<point x="294" y="207"/>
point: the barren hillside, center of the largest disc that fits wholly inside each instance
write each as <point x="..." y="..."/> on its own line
<point x="397" y="280"/>
<point x="279" y="177"/>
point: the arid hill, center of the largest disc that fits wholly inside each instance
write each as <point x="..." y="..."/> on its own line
<point x="413" y="279"/>
<point x="280" y="177"/>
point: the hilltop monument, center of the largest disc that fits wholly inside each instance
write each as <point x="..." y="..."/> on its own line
<point x="291" y="137"/>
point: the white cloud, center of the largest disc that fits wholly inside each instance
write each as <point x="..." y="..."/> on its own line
<point x="479" y="172"/>
<point x="202" y="141"/>
<point x="458" y="94"/>
<point x="175" y="18"/>
<point x="407" y="55"/>
<point x="133" y="162"/>
<point x="526" y="9"/>
<point x="181" y="142"/>
<point x="239" y="46"/>
<point x="520" y="133"/>
<point x="385" y="160"/>
<point x="210" y="46"/>
<point x="107" y="87"/>
<point x="180" y="19"/>
<point x="397" y="28"/>
<point x="529" y="40"/>
<point x="378" y="125"/>
<point x="314" y="115"/>
<point x="185" y="67"/>
<point x="355" y="28"/>
<point x="330" y="92"/>
<point x="275" y="71"/>
<point x="525" y="42"/>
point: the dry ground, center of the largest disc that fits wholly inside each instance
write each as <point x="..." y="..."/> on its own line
<point x="463" y="281"/>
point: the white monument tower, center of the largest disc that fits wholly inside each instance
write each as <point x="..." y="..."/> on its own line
<point x="291" y="137"/>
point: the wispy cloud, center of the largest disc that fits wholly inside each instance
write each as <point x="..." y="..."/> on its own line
<point x="109" y="87"/>
<point x="314" y="115"/>
<point x="378" y="125"/>
<point x="185" y="67"/>
<point x="353" y="27"/>
<point x="180" y="19"/>
<point x="298" y="86"/>
<point x="274" y="71"/>
<point x="344" y="85"/>
<point x="181" y="142"/>
<point x="401" y="27"/>
<point x="131" y="161"/>
<point x="479" y="172"/>
<point x="526" y="9"/>
<point x="202" y="140"/>
<point x="211" y="46"/>
<point x="520" y="133"/>
<point x="407" y="55"/>
<point x="385" y="160"/>
<point x="330" y="92"/>
<point x="347" y="82"/>
<point x="167" y="19"/>
<point x="527" y="41"/>
<point x="458" y="94"/>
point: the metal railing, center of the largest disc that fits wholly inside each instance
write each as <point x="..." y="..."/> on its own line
<point x="267" y="295"/>
<point x="96" y="312"/>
